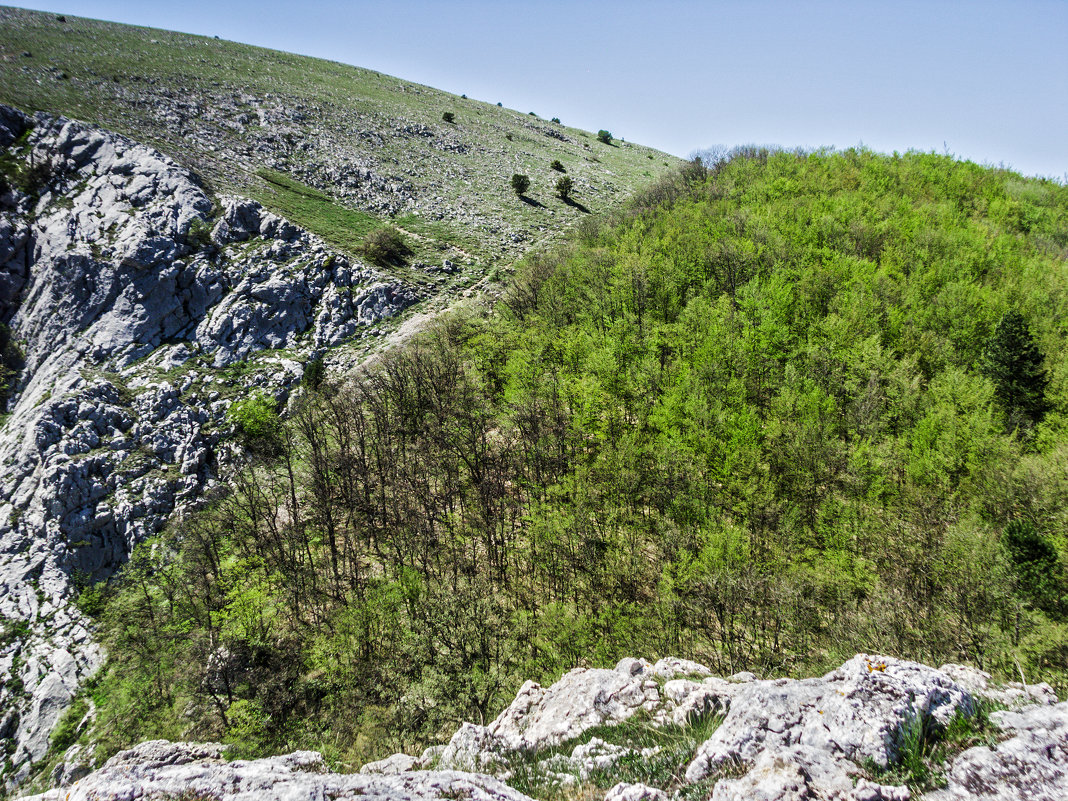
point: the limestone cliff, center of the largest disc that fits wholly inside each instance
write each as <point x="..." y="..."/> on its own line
<point x="142" y="306"/>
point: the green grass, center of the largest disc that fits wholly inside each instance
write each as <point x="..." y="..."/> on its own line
<point x="190" y="94"/>
<point x="665" y="769"/>
<point x="346" y="229"/>
<point x="342" y="227"/>
<point x="924" y="748"/>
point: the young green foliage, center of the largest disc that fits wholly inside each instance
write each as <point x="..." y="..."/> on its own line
<point x="258" y="426"/>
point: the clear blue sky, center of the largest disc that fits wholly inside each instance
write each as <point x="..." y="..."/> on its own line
<point x="987" y="80"/>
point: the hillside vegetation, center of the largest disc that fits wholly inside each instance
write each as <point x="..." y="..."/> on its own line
<point x="780" y="410"/>
<point x="365" y="142"/>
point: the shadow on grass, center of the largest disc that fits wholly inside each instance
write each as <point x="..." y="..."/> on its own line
<point x="576" y="205"/>
<point x="531" y="202"/>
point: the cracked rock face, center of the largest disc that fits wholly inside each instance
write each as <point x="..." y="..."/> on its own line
<point x="132" y="293"/>
<point x="159" y="769"/>
<point x="1032" y="764"/>
<point x="854" y="713"/>
<point x="540" y="717"/>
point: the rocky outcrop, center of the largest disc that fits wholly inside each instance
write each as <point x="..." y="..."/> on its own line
<point x="1031" y="764"/>
<point x="824" y="729"/>
<point x="159" y="769"/>
<point x="542" y="717"/>
<point x="821" y="738"/>
<point x="143" y="307"/>
<point x="827" y="738"/>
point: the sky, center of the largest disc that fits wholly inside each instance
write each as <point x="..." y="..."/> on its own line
<point x="986" y="81"/>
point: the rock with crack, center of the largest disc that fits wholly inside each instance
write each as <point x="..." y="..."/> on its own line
<point x="822" y="729"/>
<point x="160" y="769"/>
<point x="540" y="717"/>
<point x="1032" y="765"/>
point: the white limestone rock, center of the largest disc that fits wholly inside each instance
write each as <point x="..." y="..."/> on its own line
<point x="580" y="700"/>
<point x="635" y="792"/>
<point x="540" y="717"/>
<point x="803" y="773"/>
<point x="1012" y="695"/>
<point x="392" y="765"/>
<point x="1030" y="766"/>
<point x="686" y="700"/>
<point x="854" y="713"/>
<point x="159" y="769"/>
<point x="671" y="667"/>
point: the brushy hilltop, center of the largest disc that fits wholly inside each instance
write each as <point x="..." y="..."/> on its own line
<point x="780" y="410"/>
<point x="332" y="147"/>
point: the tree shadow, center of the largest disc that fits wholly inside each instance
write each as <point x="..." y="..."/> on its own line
<point x="576" y="205"/>
<point x="531" y="202"/>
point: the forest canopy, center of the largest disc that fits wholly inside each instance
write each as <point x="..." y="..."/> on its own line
<point x="784" y="408"/>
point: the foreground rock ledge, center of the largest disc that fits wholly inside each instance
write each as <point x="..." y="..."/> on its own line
<point x="160" y="769"/>
<point x="778" y="740"/>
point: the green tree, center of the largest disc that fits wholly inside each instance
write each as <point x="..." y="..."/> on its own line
<point x="564" y="187"/>
<point x="257" y="422"/>
<point x="448" y="116"/>
<point x="556" y="165"/>
<point x="314" y="373"/>
<point x="604" y="136"/>
<point x="1035" y="562"/>
<point x="1013" y="362"/>
<point x="520" y="183"/>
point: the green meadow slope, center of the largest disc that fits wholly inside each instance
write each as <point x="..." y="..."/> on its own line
<point x="352" y="146"/>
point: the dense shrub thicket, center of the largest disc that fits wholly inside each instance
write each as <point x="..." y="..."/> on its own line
<point x="760" y="419"/>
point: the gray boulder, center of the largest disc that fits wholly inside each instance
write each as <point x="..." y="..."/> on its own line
<point x="540" y="717"/>
<point x="854" y="713"/>
<point x="160" y="769"/>
<point x="1032" y="765"/>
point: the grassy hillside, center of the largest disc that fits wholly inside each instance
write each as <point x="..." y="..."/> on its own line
<point x="776" y="412"/>
<point x="369" y="142"/>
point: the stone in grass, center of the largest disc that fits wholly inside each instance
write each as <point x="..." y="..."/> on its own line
<point x="635" y="792"/>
